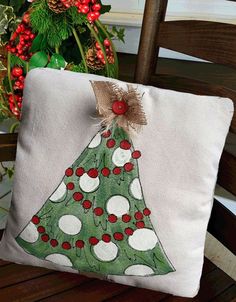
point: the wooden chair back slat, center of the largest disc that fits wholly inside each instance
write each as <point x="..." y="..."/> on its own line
<point x="211" y="41"/>
<point x="148" y="50"/>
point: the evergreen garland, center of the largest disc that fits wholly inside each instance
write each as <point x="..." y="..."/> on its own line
<point x="44" y="37"/>
<point x="44" y="21"/>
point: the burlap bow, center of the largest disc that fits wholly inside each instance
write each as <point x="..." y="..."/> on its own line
<point x="118" y="106"/>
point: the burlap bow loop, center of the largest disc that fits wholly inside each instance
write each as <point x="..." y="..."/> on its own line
<point x="115" y="105"/>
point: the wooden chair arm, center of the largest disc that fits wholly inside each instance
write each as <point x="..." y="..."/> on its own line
<point x="227" y="172"/>
<point x="8" y="146"/>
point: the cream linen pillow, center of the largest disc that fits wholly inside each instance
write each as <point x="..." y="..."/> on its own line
<point x="141" y="221"/>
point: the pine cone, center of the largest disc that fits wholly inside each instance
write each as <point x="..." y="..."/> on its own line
<point x="93" y="61"/>
<point x="56" y="6"/>
<point x="111" y="59"/>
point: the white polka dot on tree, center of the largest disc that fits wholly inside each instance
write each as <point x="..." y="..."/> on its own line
<point x="106" y="251"/>
<point x="135" y="189"/>
<point x="139" y="270"/>
<point x="88" y="184"/>
<point x="59" y="193"/>
<point x="95" y="142"/>
<point x="143" y="239"/>
<point x="30" y="233"/>
<point x="121" y="156"/>
<point x="118" y="205"/>
<point x="70" y="224"/>
<point x="59" y="259"/>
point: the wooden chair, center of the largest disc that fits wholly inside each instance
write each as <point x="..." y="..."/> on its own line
<point x="202" y="39"/>
<point x="197" y="38"/>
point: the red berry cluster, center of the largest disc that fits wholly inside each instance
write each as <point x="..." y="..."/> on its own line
<point x="21" y="40"/>
<point x="91" y="8"/>
<point x="109" y="52"/>
<point x="15" y="101"/>
<point x="18" y="75"/>
<point x="12" y="104"/>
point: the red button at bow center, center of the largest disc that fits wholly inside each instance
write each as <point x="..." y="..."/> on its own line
<point x="119" y="107"/>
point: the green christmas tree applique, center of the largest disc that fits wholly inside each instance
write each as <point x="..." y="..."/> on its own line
<point x="97" y="219"/>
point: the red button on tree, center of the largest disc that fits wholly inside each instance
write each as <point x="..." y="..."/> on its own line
<point x="120" y="107"/>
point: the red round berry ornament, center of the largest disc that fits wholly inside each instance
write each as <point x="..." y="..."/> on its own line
<point x="26" y="18"/>
<point x="17" y="72"/>
<point x="70" y="186"/>
<point x="146" y="212"/>
<point x="126" y="218"/>
<point x="66" y="245"/>
<point x="106" y="134"/>
<point x="106" y="172"/>
<point x="84" y="9"/>
<point x="93" y="240"/>
<point x="79" y="171"/>
<point x="138" y="215"/>
<point x="107" y="43"/>
<point x="118" y="236"/>
<point x="69" y="172"/>
<point x="106" y="237"/>
<point x="35" y="220"/>
<point x="45" y="238"/>
<point x="125" y="145"/>
<point x="96" y="7"/>
<point x="78" y="196"/>
<point x="140" y="224"/>
<point x="112" y="218"/>
<point x="98" y="211"/>
<point x="136" y="154"/>
<point x="128" y="167"/>
<point x="111" y="143"/>
<point x="93" y="173"/>
<point x="79" y="244"/>
<point x="21" y="78"/>
<point x="87" y="204"/>
<point x="41" y="229"/>
<point x="129" y="231"/>
<point x="54" y="242"/>
<point x="97" y="46"/>
<point x="116" y="170"/>
<point x="100" y="54"/>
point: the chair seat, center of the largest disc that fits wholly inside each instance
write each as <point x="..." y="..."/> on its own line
<point x="26" y="283"/>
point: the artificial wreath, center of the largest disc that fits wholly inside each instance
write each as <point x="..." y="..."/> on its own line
<point x="60" y="34"/>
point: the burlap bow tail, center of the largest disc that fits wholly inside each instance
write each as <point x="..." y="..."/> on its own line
<point x="115" y="105"/>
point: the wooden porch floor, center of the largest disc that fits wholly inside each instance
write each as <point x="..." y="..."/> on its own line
<point x="26" y="284"/>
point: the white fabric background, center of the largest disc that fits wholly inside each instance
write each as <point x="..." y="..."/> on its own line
<point x="181" y="148"/>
